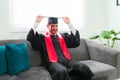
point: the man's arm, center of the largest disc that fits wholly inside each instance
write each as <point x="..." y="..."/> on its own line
<point x="72" y="29"/>
<point x="68" y="22"/>
<point x="73" y="39"/>
<point x="32" y="37"/>
<point x="37" y="21"/>
<point x="35" y="27"/>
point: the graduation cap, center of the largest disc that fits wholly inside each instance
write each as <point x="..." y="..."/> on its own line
<point x="52" y="20"/>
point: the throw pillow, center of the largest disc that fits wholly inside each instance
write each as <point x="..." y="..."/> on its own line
<point x="17" y="57"/>
<point x="3" y="63"/>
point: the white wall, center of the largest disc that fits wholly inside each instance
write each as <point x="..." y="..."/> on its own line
<point x="101" y="15"/>
<point x="3" y="16"/>
<point x="95" y="17"/>
<point x="113" y="15"/>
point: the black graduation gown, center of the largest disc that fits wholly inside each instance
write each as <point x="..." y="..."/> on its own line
<point x="63" y="69"/>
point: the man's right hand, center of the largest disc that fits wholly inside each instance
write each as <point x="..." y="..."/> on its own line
<point x="39" y="18"/>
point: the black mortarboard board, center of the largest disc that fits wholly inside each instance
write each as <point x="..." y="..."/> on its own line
<point x="52" y="20"/>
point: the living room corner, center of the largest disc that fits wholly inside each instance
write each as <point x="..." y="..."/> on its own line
<point x="89" y="17"/>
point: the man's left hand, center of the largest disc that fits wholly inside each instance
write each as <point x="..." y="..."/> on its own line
<point x="66" y="19"/>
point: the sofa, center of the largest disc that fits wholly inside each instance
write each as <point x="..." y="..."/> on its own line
<point x="103" y="61"/>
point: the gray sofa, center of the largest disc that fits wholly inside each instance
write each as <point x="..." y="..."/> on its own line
<point x="103" y="61"/>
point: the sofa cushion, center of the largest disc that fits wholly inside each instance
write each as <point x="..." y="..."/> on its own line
<point x="35" y="57"/>
<point x="80" y="52"/>
<point x="3" y="63"/>
<point x="101" y="70"/>
<point x="17" y="57"/>
<point x="34" y="73"/>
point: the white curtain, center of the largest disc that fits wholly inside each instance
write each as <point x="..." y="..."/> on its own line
<point x="22" y="13"/>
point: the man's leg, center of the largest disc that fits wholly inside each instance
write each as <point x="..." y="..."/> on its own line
<point x="81" y="71"/>
<point x="58" y="72"/>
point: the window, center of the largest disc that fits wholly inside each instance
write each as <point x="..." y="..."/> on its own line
<point x="22" y="13"/>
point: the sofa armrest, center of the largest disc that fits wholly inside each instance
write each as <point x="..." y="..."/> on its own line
<point x="101" y="53"/>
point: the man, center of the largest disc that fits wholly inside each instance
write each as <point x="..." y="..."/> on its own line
<point x="53" y="48"/>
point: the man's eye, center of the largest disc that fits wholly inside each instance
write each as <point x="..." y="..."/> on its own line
<point x="52" y="25"/>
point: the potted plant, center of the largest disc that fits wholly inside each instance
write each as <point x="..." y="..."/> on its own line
<point x="110" y="36"/>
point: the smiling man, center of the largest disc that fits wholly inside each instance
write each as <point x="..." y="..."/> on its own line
<point x="53" y="49"/>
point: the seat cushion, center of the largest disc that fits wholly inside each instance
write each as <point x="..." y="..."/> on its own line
<point x="34" y="73"/>
<point x="101" y="70"/>
<point x="8" y="77"/>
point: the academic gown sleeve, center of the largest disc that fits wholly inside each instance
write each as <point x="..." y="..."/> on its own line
<point x="37" y="42"/>
<point x="72" y="40"/>
<point x="33" y="39"/>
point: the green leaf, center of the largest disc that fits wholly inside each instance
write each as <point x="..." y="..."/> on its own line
<point x="106" y="34"/>
<point x="115" y="38"/>
<point x="95" y="37"/>
<point x="113" y="32"/>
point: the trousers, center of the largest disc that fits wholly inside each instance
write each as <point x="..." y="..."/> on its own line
<point x="75" y="71"/>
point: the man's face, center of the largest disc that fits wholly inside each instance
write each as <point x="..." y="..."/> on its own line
<point x="53" y="28"/>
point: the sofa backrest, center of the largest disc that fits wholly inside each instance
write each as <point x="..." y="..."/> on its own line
<point x="80" y="52"/>
<point x="34" y="56"/>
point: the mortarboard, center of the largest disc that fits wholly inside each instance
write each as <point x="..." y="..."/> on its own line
<point x="52" y="20"/>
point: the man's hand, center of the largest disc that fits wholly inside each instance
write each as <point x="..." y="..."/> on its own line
<point x="39" y="18"/>
<point x="66" y="19"/>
